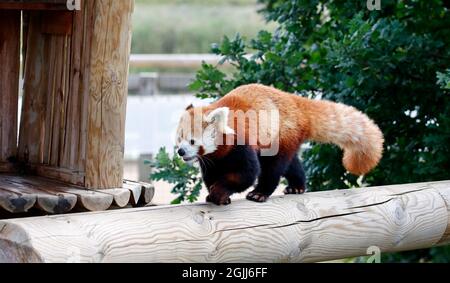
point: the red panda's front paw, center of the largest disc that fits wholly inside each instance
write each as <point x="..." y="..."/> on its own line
<point x="257" y="197"/>
<point x="218" y="198"/>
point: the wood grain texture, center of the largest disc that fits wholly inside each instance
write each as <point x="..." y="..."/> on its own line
<point x="73" y="114"/>
<point x="34" y="4"/>
<point x="16" y="202"/>
<point x="9" y="82"/>
<point x="111" y="39"/>
<point x="18" y="194"/>
<point x="70" y="176"/>
<point x="308" y="228"/>
<point x="36" y="88"/>
<point x="141" y="193"/>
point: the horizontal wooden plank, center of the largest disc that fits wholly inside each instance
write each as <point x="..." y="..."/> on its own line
<point x="141" y="193"/>
<point x="34" y="4"/>
<point x="62" y="174"/>
<point x="16" y="202"/>
<point x="6" y="167"/>
<point x="47" y="199"/>
<point x="57" y="22"/>
<point x="20" y="193"/>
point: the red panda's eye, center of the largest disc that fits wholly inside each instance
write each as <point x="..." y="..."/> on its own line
<point x="192" y="142"/>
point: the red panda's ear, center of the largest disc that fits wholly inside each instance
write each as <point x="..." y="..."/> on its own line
<point x="219" y="117"/>
<point x="189" y="107"/>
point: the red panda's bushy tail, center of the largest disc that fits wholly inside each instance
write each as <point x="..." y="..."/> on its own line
<point x="353" y="131"/>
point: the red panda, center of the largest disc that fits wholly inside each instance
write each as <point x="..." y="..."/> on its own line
<point x="231" y="154"/>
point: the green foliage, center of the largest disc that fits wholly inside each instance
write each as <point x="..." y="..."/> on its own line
<point x="444" y="79"/>
<point x="186" y="179"/>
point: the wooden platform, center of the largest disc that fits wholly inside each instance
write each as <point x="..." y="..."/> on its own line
<point x="20" y="194"/>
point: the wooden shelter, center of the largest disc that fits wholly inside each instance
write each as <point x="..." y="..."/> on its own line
<point x="68" y="146"/>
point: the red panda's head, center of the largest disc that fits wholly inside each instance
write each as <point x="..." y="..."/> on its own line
<point x="200" y="131"/>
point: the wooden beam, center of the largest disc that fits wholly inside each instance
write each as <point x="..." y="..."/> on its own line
<point x="33" y="5"/>
<point x="9" y="82"/>
<point x="306" y="228"/>
<point x="57" y="22"/>
<point x="18" y="194"/>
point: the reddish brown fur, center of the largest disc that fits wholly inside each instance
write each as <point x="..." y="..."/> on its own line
<point x="304" y="119"/>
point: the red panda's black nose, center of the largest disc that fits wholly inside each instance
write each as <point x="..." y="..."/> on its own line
<point x="181" y="152"/>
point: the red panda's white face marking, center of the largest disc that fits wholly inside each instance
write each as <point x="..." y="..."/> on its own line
<point x="197" y="132"/>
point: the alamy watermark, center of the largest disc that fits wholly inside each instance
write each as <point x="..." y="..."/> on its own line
<point x="374" y="5"/>
<point x="73" y="5"/>
<point x="374" y="253"/>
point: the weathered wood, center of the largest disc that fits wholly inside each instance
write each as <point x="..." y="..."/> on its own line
<point x="66" y="175"/>
<point x="111" y="41"/>
<point x="18" y="194"/>
<point x="15" y="202"/>
<point x="148" y="192"/>
<point x="121" y="197"/>
<point x="141" y="193"/>
<point x="47" y="200"/>
<point x="9" y="82"/>
<point x="35" y="89"/>
<point x="306" y="228"/>
<point x="135" y="190"/>
<point x="7" y="167"/>
<point x="34" y="4"/>
<point x="73" y="115"/>
<point x="57" y="22"/>
<point x="442" y="189"/>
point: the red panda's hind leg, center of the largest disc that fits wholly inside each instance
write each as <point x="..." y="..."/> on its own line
<point x="295" y="175"/>
<point x="272" y="168"/>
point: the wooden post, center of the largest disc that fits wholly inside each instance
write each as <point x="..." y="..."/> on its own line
<point x="9" y="84"/>
<point x="111" y="43"/>
<point x="307" y="228"/>
<point x="73" y="115"/>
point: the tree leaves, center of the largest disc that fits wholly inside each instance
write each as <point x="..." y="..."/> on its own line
<point x="186" y="179"/>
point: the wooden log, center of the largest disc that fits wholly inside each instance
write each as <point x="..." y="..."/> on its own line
<point x="111" y="41"/>
<point x="34" y="4"/>
<point x="9" y="82"/>
<point x="121" y="196"/>
<point x="135" y="190"/>
<point x="305" y="228"/>
<point x="47" y="199"/>
<point x="16" y="202"/>
<point x="141" y="193"/>
<point x="20" y="193"/>
<point x="89" y="200"/>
